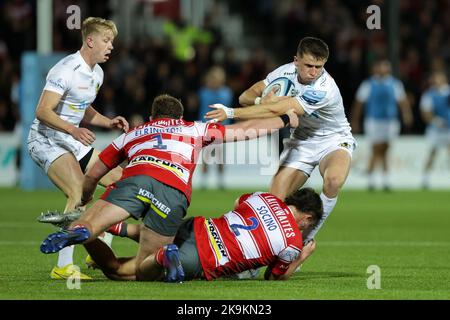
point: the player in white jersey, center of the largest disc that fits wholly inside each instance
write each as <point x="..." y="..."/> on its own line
<point x="56" y="142"/>
<point x="323" y="137"/>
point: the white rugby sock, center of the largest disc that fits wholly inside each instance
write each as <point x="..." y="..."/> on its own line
<point x="386" y="180"/>
<point x="426" y="180"/>
<point x="328" y="206"/>
<point x="65" y="256"/>
<point x="107" y="238"/>
<point x="372" y="179"/>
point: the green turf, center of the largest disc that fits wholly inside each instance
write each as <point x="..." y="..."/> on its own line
<point x="405" y="233"/>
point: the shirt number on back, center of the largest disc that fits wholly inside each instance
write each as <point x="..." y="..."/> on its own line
<point x="159" y="143"/>
<point x="235" y="226"/>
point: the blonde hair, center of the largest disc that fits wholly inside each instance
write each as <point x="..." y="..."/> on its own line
<point x="94" y="24"/>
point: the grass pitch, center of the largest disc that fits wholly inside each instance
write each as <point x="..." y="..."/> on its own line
<point x="405" y="233"/>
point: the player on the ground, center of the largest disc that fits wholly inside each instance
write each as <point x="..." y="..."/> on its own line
<point x="380" y="95"/>
<point x="323" y="137"/>
<point x="261" y="231"/>
<point x="156" y="185"/>
<point x="56" y="142"/>
<point x="435" y="108"/>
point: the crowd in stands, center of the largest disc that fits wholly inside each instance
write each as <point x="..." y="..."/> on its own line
<point x="147" y="66"/>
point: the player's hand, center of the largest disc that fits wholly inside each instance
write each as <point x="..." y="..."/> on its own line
<point x="119" y="123"/>
<point x="85" y="136"/>
<point x="308" y="250"/>
<point x="218" y="115"/>
<point x="293" y="118"/>
<point x="271" y="97"/>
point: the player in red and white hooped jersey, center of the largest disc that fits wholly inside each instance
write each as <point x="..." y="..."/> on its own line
<point x="164" y="149"/>
<point x="156" y="184"/>
<point x="261" y="231"/>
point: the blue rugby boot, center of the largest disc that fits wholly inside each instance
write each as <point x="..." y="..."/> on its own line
<point x="172" y="264"/>
<point x="59" y="240"/>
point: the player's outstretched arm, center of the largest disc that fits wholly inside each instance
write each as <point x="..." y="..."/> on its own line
<point x="252" y="129"/>
<point x="279" y="108"/>
<point x="45" y="113"/>
<point x="94" y="118"/>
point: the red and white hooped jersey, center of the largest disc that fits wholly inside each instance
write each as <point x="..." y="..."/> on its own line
<point x="261" y="231"/>
<point x="164" y="149"/>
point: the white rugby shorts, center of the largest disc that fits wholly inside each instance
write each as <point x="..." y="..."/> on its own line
<point x="379" y="131"/>
<point x="44" y="148"/>
<point x="438" y="137"/>
<point x="305" y="155"/>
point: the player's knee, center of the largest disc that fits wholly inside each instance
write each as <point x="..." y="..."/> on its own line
<point x="333" y="183"/>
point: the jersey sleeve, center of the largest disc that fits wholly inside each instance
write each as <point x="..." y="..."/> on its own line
<point x="285" y="258"/>
<point x="214" y="133"/>
<point x="363" y="92"/>
<point x="399" y="90"/>
<point x="426" y="103"/>
<point x="114" y="154"/>
<point x="58" y="80"/>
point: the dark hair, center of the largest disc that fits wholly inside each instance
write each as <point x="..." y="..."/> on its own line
<point x="313" y="46"/>
<point x="307" y="201"/>
<point x="166" y="106"/>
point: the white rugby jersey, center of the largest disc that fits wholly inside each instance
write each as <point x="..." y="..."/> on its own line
<point x="324" y="109"/>
<point x="261" y="231"/>
<point x="78" y="85"/>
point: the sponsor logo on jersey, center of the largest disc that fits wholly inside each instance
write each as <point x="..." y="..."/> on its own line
<point x="290" y="73"/>
<point x="177" y="169"/>
<point x="160" y="208"/>
<point x="79" y="108"/>
<point x="346" y="145"/>
<point x="216" y="242"/>
<point x="313" y="96"/>
<point x="77" y="67"/>
<point x="56" y="83"/>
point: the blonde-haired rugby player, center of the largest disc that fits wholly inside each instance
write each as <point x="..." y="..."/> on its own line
<point x="56" y="142"/>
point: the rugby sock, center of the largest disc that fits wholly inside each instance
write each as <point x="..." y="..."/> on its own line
<point x="372" y="179"/>
<point x="426" y="180"/>
<point x="107" y="238"/>
<point x="65" y="256"/>
<point x="328" y="206"/>
<point x="159" y="256"/>
<point x="386" y="180"/>
<point x="119" y="229"/>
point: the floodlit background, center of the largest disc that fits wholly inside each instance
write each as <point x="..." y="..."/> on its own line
<point x="169" y="47"/>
